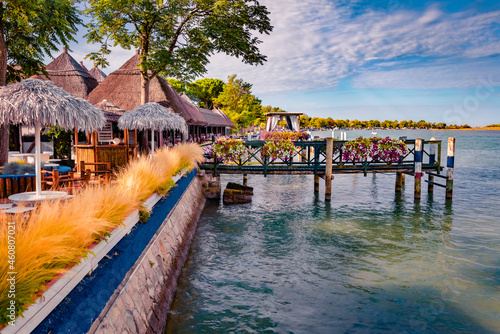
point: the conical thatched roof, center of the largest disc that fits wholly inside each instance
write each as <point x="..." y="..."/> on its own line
<point x="112" y="112"/>
<point x="151" y="116"/>
<point x="123" y="89"/>
<point x="83" y="66"/>
<point x="33" y="100"/>
<point x="67" y="73"/>
<point x="98" y="74"/>
<point x="211" y="117"/>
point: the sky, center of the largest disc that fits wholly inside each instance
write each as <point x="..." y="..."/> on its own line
<point x="352" y="59"/>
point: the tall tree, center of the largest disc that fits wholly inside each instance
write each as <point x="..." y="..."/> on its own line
<point x="239" y="104"/>
<point x="30" y="30"/>
<point x="178" y="85"/>
<point x="205" y="91"/>
<point x="176" y="37"/>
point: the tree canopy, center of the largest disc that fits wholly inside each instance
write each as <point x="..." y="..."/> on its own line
<point x="30" y="30"/>
<point x="239" y="104"/>
<point x="205" y="91"/>
<point x="175" y="38"/>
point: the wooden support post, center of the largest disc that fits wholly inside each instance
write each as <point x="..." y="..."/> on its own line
<point x="403" y="178"/>
<point x="328" y="169"/>
<point x="450" y="165"/>
<point x="418" y="167"/>
<point x="316" y="183"/>
<point x="399" y="182"/>
<point x="432" y="161"/>
<point x="245" y="179"/>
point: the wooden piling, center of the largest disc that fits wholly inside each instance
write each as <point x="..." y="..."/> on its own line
<point x="450" y="163"/>
<point x="432" y="161"/>
<point x="328" y="169"/>
<point x="245" y="179"/>
<point x="316" y="183"/>
<point x="418" y="167"/>
<point x="399" y="182"/>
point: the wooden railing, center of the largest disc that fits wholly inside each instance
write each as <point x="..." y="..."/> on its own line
<point x="310" y="158"/>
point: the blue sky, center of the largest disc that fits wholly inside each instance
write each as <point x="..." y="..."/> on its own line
<point x="395" y="59"/>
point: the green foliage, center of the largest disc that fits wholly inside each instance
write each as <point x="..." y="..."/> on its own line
<point x="205" y="91"/>
<point x="144" y="214"/>
<point x="178" y="85"/>
<point x="239" y="104"/>
<point x="32" y="30"/>
<point x="175" y="38"/>
<point x="493" y="126"/>
<point x="61" y="139"/>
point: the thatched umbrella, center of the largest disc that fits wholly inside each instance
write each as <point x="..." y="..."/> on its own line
<point x="151" y="116"/>
<point x="41" y="103"/>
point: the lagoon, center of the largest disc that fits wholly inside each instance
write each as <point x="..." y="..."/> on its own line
<point x="369" y="261"/>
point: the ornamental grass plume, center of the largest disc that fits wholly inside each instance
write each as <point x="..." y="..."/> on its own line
<point x="190" y="154"/>
<point x="140" y="178"/>
<point x="54" y="236"/>
<point x="58" y="232"/>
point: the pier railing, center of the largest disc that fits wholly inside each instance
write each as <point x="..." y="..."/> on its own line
<point x="311" y="158"/>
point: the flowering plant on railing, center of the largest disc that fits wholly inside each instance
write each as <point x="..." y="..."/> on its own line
<point x="389" y="150"/>
<point x="375" y="149"/>
<point x="293" y="136"/>
<point x="228" y="149"/>
<point x="209" y="151"/>
<point x="278" y="149"/>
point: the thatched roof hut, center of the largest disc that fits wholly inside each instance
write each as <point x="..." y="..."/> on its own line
<point x="98" y="74"/>
<point x="67" y="73"/>
<point x="213" y="118"/>
<point x="112" y="112"/>
<point x="123" y="89"/>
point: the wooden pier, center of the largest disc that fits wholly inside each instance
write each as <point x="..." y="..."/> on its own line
<point x="325" y="158"/>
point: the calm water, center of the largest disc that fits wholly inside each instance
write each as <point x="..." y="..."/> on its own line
<point x="368" y="262"/>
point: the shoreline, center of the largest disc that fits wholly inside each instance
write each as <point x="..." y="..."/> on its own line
<point x="470" y="129"/>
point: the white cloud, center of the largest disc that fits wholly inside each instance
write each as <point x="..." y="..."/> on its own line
<point x="315" y="44"/>
<point x="467" y="74"/>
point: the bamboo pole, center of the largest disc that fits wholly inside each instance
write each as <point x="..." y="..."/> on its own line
<point x="328" y="169"/>
<point x="450" y="167"/>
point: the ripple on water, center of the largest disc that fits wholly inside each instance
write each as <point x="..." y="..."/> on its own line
<point x="369" y="261"/>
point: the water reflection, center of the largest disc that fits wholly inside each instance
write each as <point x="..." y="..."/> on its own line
<point x="371" y="260"/>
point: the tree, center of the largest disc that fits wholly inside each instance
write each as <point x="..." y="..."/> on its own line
<point x="178" y="85"/>
<point x="30" y="30"/>
<point x="239" y="104"/>
<point x="175" y="38"/>
<point x="205" y="91"/>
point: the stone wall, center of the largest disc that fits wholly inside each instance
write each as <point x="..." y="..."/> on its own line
<point x="141" y="302"/>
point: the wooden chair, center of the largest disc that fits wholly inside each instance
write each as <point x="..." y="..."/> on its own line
<point x="102" y="175"/>
<point x="55" y="181"/>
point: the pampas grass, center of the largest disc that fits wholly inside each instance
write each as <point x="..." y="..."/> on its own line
<point x="57" y="233"/>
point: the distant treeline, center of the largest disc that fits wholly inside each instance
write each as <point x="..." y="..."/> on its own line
<point x="319" y="122"/>
<point x="493" y="126"/>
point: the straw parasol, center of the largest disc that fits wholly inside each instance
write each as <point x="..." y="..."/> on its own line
<point x="41" y="103"/>
<point x="151" y="116"/>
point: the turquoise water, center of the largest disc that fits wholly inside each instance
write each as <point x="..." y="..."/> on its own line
<point x="370" y="261"/>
